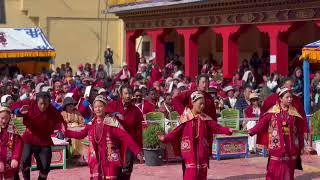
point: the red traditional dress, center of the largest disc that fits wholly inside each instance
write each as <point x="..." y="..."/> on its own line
<point x="11" y="146"/>
<point x="105" y="143"/>
<point x="145" y="107"/>
<point x="192" y="139"/>
<point x="271" y="101"/>
<point x="183" y="100"/>
<point x="132" y="119"/>
<point x="132" y="123"/>
<point x="285" y="140"/>
<point x="39" y="125"/>
<point x="296" y="102"/>
<point x="155" y="76"/>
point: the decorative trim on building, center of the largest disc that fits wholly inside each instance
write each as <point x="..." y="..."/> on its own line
<point x="227" y="12"/>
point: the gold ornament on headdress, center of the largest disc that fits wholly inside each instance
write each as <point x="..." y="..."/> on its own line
<point x="196" y="95"/>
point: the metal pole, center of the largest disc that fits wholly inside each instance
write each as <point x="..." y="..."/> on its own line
<point x="306" y="91"/>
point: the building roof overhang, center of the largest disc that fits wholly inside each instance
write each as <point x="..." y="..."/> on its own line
<point x="217" y="12"/>
<point x="147" y="5"/>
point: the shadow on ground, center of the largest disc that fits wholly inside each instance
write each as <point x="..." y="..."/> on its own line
<point x="243" y="176"/>
<point x="308" y="176"/>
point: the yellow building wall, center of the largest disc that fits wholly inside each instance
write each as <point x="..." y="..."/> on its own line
<point x="78" y="30"/>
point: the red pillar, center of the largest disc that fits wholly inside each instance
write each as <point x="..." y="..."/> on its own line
<point x="131" y="60"/>
<point x="230" y="36"/>
<point x="131" y="51"/>
<point x="278" y="46"/>
<point x="190" y="51"/>
<point x="158" y="45"/>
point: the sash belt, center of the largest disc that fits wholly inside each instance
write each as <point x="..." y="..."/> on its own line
<point x="285" y="158"/>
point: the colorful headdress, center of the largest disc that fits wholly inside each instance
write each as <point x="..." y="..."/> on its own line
<point x="101" y="99"/>
<point x="196" y="95"/>
<point x="5" y="109"/>
<point x="283" y="91"/>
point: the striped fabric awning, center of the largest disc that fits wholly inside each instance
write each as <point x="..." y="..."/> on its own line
<point x="24" y="43"/>
<point x="311" y="52"/>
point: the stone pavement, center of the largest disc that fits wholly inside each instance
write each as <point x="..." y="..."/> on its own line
<point x="230" y="169"/>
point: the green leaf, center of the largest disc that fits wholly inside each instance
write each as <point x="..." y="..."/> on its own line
<point x="150" y="136"/>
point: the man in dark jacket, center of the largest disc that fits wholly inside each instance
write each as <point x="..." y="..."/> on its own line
<point x="108" y="60"/>
<point x="243" y="101"/>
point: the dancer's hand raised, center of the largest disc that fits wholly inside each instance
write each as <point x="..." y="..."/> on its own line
<point x="24" y="109"/>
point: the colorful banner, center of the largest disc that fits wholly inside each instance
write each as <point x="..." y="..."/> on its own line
<point x="233" y="147"/>
<point x="311" y="52"/>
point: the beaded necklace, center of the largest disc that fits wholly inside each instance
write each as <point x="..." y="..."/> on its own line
<point x="96" y="138"/>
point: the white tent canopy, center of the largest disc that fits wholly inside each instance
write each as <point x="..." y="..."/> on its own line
<point x="24" y="42"/>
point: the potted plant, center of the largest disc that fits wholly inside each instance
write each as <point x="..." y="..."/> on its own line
<point x="316" y="126"/>
<point x="152" y="146"/>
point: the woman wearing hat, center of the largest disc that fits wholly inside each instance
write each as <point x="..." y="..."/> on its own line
<point x="105" y="136"/>
<point x="70" y="114"/>
<point x="284" y="130"/>
<point x="11" y="146"/>
<point x="252" y="111"/>
<point x="193" y="137"/>
<point x="6" y="100"/>
<point x="74" y="120"/>
<point x="231" y="100"/>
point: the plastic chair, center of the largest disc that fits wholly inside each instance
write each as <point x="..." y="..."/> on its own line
<point x="174" y="116"/>
<point x="173" y="121"/>
<point x="230" y="118"/>
<point x="155" y="116"/>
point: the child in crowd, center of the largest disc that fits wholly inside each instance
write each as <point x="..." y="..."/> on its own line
<point x="10" y="146"/>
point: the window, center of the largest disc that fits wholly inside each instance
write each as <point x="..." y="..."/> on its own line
<point x="146" y="48"/>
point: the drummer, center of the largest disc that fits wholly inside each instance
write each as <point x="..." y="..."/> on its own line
<point x="252" y="112"/>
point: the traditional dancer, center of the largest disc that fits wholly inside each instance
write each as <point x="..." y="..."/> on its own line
<point x="10" y="146"/>
<point x="106" y="136"/>
<point x="296" y="102"/>
<point x="285" y="127"/>
<point x="41" y="120"/>
<point x="194" y="136"/>
<point x="131" y="119"/>
<point x="181" y="101"/>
